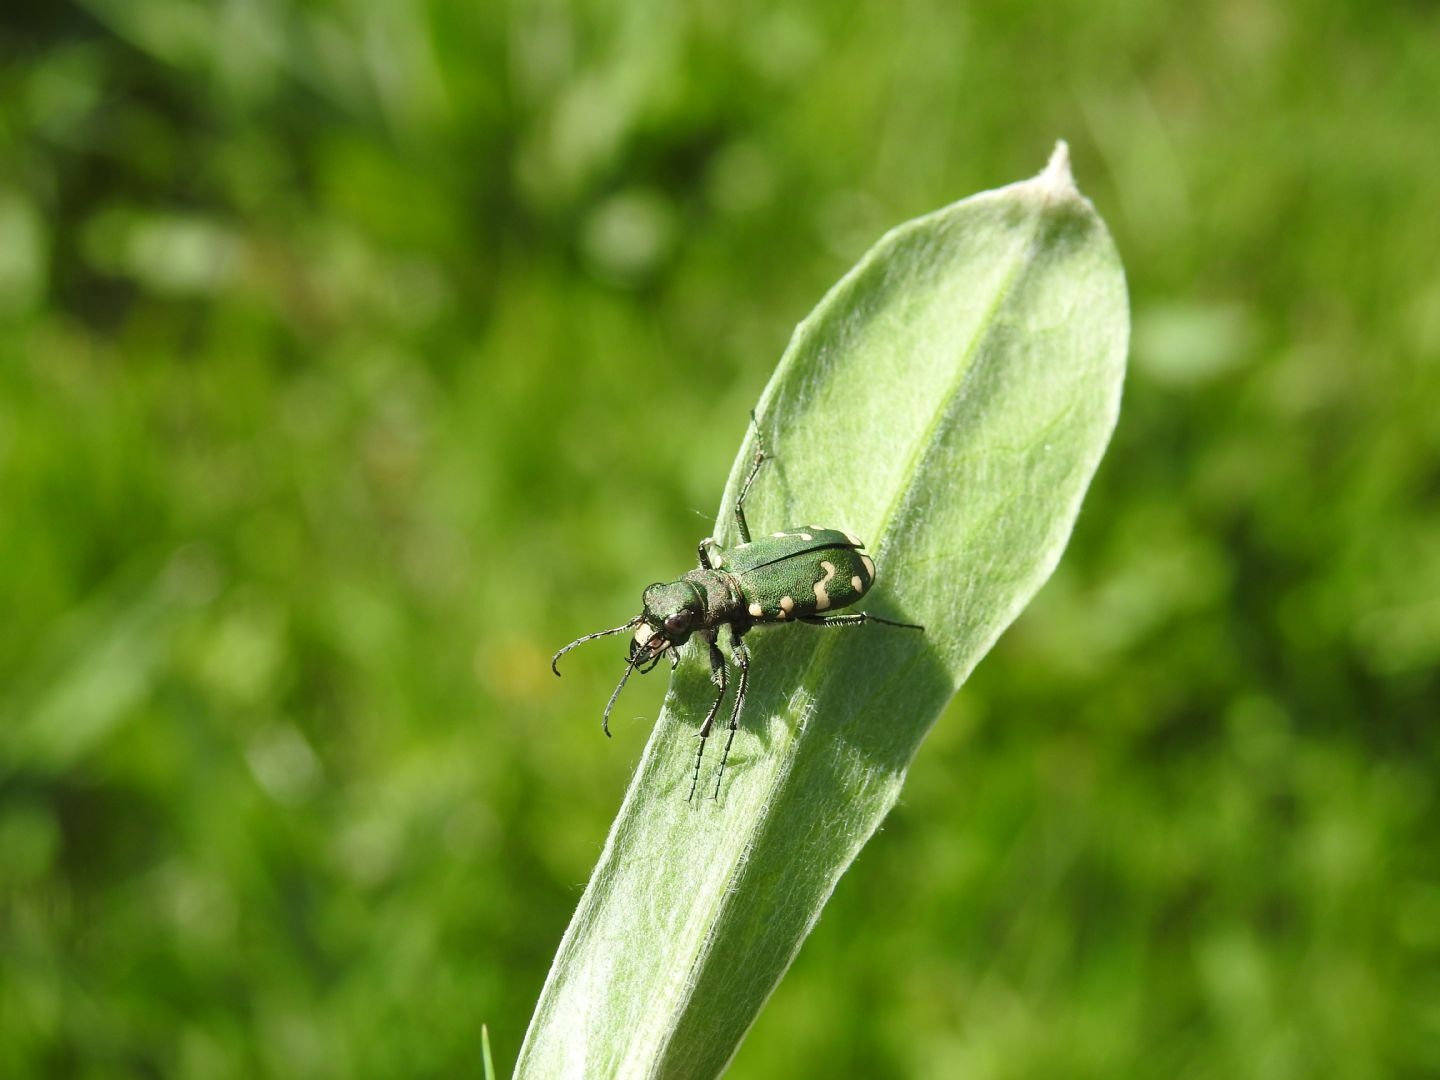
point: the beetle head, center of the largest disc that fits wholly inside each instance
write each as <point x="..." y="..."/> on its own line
<point x="671" y="614"/>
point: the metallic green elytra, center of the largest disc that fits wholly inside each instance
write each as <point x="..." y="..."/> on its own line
<point x="797" y="575"/>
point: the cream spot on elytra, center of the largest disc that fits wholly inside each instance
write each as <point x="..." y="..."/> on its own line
<point x="822" y="598"/>
<point x="869" y="565"/>
<point x="857" y="584"/>
<point x="756" y="611"/>
<point x="787" y="604"/>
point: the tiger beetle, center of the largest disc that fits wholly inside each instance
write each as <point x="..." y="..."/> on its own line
<point x="786" y="577"/>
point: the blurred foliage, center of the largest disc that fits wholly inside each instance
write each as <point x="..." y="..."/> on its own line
<point x="354" y="354"/>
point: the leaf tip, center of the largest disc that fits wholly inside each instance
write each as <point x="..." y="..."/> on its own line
<point x="1057" y="176"/>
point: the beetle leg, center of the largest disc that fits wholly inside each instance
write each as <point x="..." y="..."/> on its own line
<point x="749" y="479"/>
<point x="855" y="620"/>
<point x="717" y="676"/>
<point x="742" y="659"/>
<point x="704" y="554"/>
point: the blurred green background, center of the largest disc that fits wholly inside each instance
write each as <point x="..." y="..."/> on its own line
<point x="356" y="354"/>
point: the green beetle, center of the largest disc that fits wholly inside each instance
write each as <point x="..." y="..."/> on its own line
<point x="793" y="576"/>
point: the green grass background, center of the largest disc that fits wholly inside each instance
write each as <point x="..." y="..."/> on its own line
<point x="354" y="355"/>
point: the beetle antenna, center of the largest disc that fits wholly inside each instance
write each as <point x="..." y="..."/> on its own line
<point x="605" y="720"/>
<point x="554" y="660"/>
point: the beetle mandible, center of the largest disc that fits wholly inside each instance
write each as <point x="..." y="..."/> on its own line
<point x="790" y="576"/>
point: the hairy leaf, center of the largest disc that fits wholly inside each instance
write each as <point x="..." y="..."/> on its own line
<point x="948" y="402"/>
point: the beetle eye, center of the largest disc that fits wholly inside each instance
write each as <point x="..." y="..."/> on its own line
<point x="676" y="624"/>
